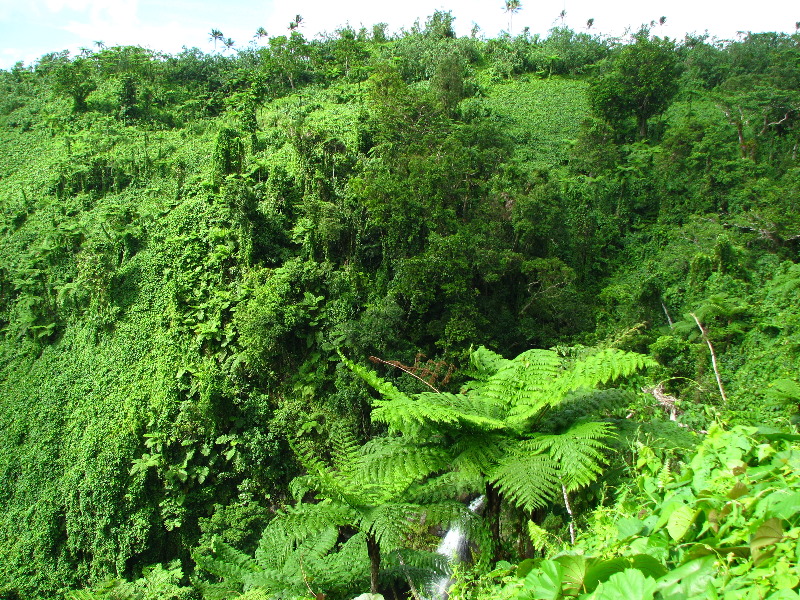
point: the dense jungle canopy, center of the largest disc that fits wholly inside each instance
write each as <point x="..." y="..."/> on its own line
<point x="255" y="304"/>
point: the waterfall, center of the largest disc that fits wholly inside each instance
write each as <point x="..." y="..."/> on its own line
<point x="454" y="547"/>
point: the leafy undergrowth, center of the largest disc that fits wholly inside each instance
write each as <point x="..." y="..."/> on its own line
<point x="724" y="526"/>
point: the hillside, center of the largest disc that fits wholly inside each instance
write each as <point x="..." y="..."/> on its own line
<point x="190" y="244"/>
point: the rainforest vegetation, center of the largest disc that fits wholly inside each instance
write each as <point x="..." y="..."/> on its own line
<point x="272" y="316"/>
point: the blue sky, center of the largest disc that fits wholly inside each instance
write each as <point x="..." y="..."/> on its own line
<point x="30" y="28"/>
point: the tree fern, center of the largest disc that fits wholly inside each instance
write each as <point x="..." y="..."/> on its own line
<point x="497" y="429"/>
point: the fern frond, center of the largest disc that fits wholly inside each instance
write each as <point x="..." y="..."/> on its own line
<point x="271" y="580"/>
<point x="219" y="591"/>
<point x="391" y="524"/>
<point x="345" y="449"/>
<point x="429" y="409"/>
<point x="524" y="380"/>
<point x="484" y="363"/>
<point x="275" y="545"/>
<point x="307" y="519"/>
<point x="344" y="570"/>
<point x="450" y="484"/>
<point x="349" y="489"/>
<point x="418" y="566"/>
<point x="399" y="462"/>
<point x="81" y="595"/>
<point x="580" y="404"/>
<point x="226" y="562"/>
<point x="380" y="385"/>
<point x="450" y="514"/>
<point x="477" y="453"/>
<point x="300" y="486"/>
<point x="600" y="368"/>
<point x="522" y="386"/>
<point x="577" y="452"/>
<point x="527" y="479"/>
<point x="317" y="546"/>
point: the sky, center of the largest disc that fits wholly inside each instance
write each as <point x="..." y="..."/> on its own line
<point x="31" y="28"/>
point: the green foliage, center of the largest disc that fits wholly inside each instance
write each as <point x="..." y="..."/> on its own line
<point x="186" y="239"/>
<point x="641" y="80"/>
<point x="492" y="428"/>
<point x="156" y="583"/>
<point x="302" y="545"/>
<point x="722" y="527"/>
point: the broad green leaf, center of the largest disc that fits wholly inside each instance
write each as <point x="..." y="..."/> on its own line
<point x="544" y="583"/>
<point x="769" y="533"/>
<point x="525" y="567"/>
<point x="784" y="595"/>
<point x="574" y="572"/>
<point x="739" y="489"/>
<point x="601" y="570"/>
<point x="680" y="521"/>
<point x="630" y="584"/>
<point x="629" y="527"/>
<point x="647" y="565"/>
<point x="783" y="505"/>
<point x="687" y="580"/>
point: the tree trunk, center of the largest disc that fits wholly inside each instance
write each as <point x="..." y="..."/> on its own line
<point x="493" y="501"/>
<point x="642" y="122"/>
<point x="704" y="333"/>
<point x="374" y="553"/>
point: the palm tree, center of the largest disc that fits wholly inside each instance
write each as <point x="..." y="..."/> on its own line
<point x="228" y="43"/>
<point x="216" y="36"/>
<point x="562" y="15"/>
<point x="512" y="7"/>
<point x="589" y="24"/>
<point x="260" y="33"/>
<point x="101" y="45"/>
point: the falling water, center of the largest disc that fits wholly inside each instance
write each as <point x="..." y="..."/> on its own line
<point x="454" y="547"/>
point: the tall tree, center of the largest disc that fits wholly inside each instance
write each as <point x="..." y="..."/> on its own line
<point x="512" y="7"/>
<point x="640" y="82"/>
<point x="215" y="36"/>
